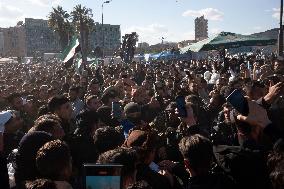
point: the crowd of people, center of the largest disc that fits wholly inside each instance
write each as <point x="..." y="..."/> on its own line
<point x="55" y="119"/>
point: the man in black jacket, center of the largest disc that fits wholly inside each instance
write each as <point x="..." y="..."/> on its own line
<point x="60" y="106"/>
<point x="247" y="163"/>
<point x="198" y="156"/>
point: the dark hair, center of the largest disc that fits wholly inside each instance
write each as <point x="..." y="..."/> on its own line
<point x="74" y="88"/>
<point x="55" y="102"/>
<point x="46" y="123"/>
<point x="42" y="110"/>
<point x="124" y="156"/>
<point x="26" y="156"/>
<point x="107" y="138"/>
<point x="88" y="98"/>
<point x="227" y="105"/>
<point x="144" y="141"/>
<point x="65" y="87"/>
<point x="108" y="95"/>
<point x="232" y="83"/>
<point x="40" y="184"/>
<point x="85" y="121"/>
<point x="12" y="96"/>
<point x="198" y="150"/>
<point x="52" y="158"/>
<point x="94" y="81"/>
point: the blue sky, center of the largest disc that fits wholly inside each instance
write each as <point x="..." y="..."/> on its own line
<point x="154" y="19"/>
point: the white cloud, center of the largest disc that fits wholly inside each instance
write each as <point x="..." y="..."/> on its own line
<point x="188" y="36"/>
<point x="45" y="3"/>
<point x="9" y="15"/>
<point x="209" y="13"/>
<point x="177" y="37"/>
<point x="276" y="13"/>
<point x="153" y="34"/>
<point x="9" y="12"/>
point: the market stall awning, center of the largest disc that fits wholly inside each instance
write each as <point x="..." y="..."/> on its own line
<point x="227" y="40"/>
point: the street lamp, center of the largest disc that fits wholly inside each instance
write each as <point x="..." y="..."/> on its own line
<point x="280" y="38"/>
<point x="162" y="40"/>
<point x="103" y="35"/>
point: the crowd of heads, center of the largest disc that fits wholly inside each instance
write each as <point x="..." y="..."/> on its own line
<point x="55" y="119"/>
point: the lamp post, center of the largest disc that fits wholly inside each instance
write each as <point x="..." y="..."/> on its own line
<point x="103" y="35"/>
<point x="280" y="37"/>
<point x="162" y="40"/>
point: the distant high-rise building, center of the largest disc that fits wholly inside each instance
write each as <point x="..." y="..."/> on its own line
<point x="40" y="38"/>
<point x="201" y="28"/>
<point x="1" y="43"/>
<point x="12" y="41"/>
<point x="112" y="37"/>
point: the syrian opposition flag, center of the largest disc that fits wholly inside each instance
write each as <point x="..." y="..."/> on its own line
<point x="71" y="50"/>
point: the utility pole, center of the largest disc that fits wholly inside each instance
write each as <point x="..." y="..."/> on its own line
<point x="280" y="37"/>
<point x="103" y="34"/>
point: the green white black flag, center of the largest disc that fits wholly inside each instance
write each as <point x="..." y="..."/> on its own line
<point x="70" y="51"/>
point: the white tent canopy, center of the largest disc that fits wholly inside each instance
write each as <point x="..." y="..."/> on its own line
<point x="6" y="60"/>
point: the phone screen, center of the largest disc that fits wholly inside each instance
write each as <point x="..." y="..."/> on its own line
<point x="180" y="100"/>
<point x="126" y="125"/>
<point x="116" y="110"/>
<point x="239" y="102"/>
<point x="102" y="176"/>
<point x="154" y="167"/>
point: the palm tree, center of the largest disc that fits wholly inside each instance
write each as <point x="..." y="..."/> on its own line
<point x="84" y="24"/>
<point x="127" y="48"/>
<point x="58" y="20"/>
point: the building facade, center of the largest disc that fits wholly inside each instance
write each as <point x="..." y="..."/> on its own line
<point x="1" y="43"/>
<point x="112" y="38"/>
<point x="40" y="38"/>
<point x="201" y="28"/>
<point x="12" y="42"/>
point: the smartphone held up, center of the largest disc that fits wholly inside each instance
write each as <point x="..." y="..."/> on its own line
<point x="239" y="102"/>
<point x="181" y="106"/>
<point x="116" y="110"/>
